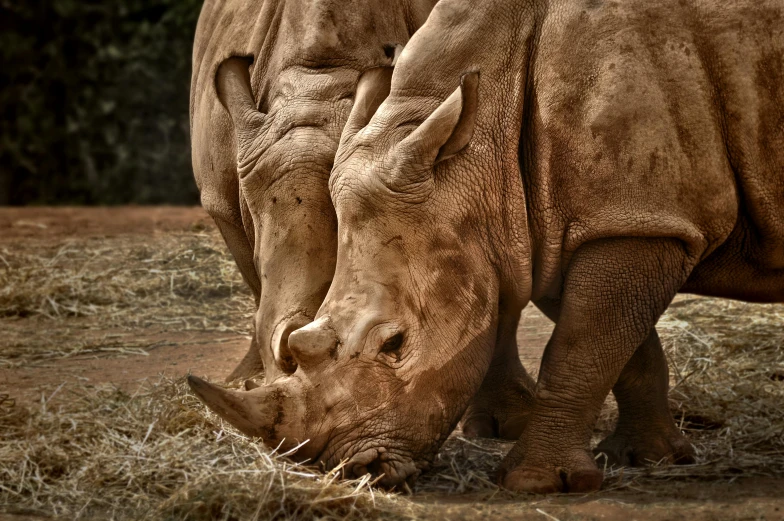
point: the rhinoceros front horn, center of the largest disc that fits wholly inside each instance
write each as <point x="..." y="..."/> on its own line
<point x="273" y="413"/>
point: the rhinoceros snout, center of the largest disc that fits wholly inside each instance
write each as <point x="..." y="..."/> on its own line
<point x="392" y="469"/>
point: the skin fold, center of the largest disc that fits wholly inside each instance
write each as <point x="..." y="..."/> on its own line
<point x="273" y="83"/>
<point x="592" y="157"/>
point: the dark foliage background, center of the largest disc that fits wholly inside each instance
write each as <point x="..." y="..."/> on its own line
<point x="94" y="101"/>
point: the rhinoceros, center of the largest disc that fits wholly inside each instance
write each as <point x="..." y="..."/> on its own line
<point x="592" y="157"/>
<point x="273" y="82"/>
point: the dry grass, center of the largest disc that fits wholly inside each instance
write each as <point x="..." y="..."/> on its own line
<point x="161" y="455"/>
<point x="727" y="366"/>
<point x="175" y="282"/>
<point x="136" y="281"/>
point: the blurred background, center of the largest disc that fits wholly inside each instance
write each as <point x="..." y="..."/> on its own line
<point x="94" y="101"/>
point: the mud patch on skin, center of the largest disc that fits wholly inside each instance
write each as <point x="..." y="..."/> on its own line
<point x="278" y="397"/>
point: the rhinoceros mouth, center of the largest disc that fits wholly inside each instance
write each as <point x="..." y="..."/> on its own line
<point x="388" y="464"/>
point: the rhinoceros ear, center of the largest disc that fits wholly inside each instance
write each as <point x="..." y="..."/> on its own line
<point x="450" y="127"/>
<point x="372" y="89"/>
<point x="234" y="92"/>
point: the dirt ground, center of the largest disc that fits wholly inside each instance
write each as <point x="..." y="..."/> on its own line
<point x="157" y="350"/>
<point x="49" y="346"/>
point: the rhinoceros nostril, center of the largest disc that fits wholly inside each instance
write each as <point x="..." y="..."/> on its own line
<point x="376" y="467"/>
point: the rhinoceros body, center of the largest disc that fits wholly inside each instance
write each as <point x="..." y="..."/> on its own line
<point x="594" y="157"/>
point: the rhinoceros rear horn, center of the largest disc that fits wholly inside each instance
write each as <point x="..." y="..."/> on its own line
<point x="313" y="343"/>
<point x="372" y="89"/>
<point x="272" y="413"/>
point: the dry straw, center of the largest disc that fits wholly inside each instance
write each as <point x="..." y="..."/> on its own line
<point x="107" y="286"/>
<point x="159" y="454"/>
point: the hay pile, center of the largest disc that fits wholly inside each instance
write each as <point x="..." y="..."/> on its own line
<point x="727" y="367"/>
<point x="132" y="281"/>
<point x="158" y="455"/>
<point x="177" y="281"/>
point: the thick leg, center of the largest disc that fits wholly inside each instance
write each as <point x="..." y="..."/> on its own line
<point x="240" y="248"/>
<point x="613" y="294"/>
<point x="502" y="404"/>
<point x="646" y="431"/>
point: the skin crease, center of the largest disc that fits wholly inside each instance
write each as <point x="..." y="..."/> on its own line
<point x="262" y="163"/>
<point x="618" y="153"/>
<point x="621" y="153"/>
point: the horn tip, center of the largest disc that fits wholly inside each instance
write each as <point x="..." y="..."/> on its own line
<point x="197" y="384"/>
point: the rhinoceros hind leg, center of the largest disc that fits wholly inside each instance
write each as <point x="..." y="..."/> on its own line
<point x="646" y="431"/>
<point x="614" y="292"/>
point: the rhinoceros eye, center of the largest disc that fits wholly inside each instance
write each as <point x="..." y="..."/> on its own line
<point x="392" y="345"/>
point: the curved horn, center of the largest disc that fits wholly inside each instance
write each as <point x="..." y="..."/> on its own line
<point x="274" y="413"/>
<point x="372" y="89"/>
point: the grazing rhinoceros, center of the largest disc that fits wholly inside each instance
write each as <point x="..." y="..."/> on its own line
<point x="265" y="136"/>
<point x="596" y="158"/>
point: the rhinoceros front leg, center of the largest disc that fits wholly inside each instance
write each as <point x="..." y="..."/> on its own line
<point x="501" y="407"/>
<point x="613" y="294"/>
<point x="646" y="431"/>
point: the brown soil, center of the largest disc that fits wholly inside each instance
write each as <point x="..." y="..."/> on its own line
<point x="171" y="353"/>
<point x="166" y="350"/>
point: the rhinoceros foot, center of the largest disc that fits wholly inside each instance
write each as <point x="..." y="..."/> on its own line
<point x="639" y="447"/>
<point x="577" y="473"/>
<point x="503" y="404"/>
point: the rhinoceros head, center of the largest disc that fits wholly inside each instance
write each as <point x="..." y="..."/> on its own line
<point x="406" y="331"/>
<point x="284" y="156"/>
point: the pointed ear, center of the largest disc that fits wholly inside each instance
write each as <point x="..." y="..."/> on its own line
<point x="232" y="83"/>
<point x="372" y="89"/>
<point x="450" y="127"/>
<point x="464" y="129"/>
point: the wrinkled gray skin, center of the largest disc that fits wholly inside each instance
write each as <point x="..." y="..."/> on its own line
<point x="265" y="136"/>
<point x="592" y="157"/>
